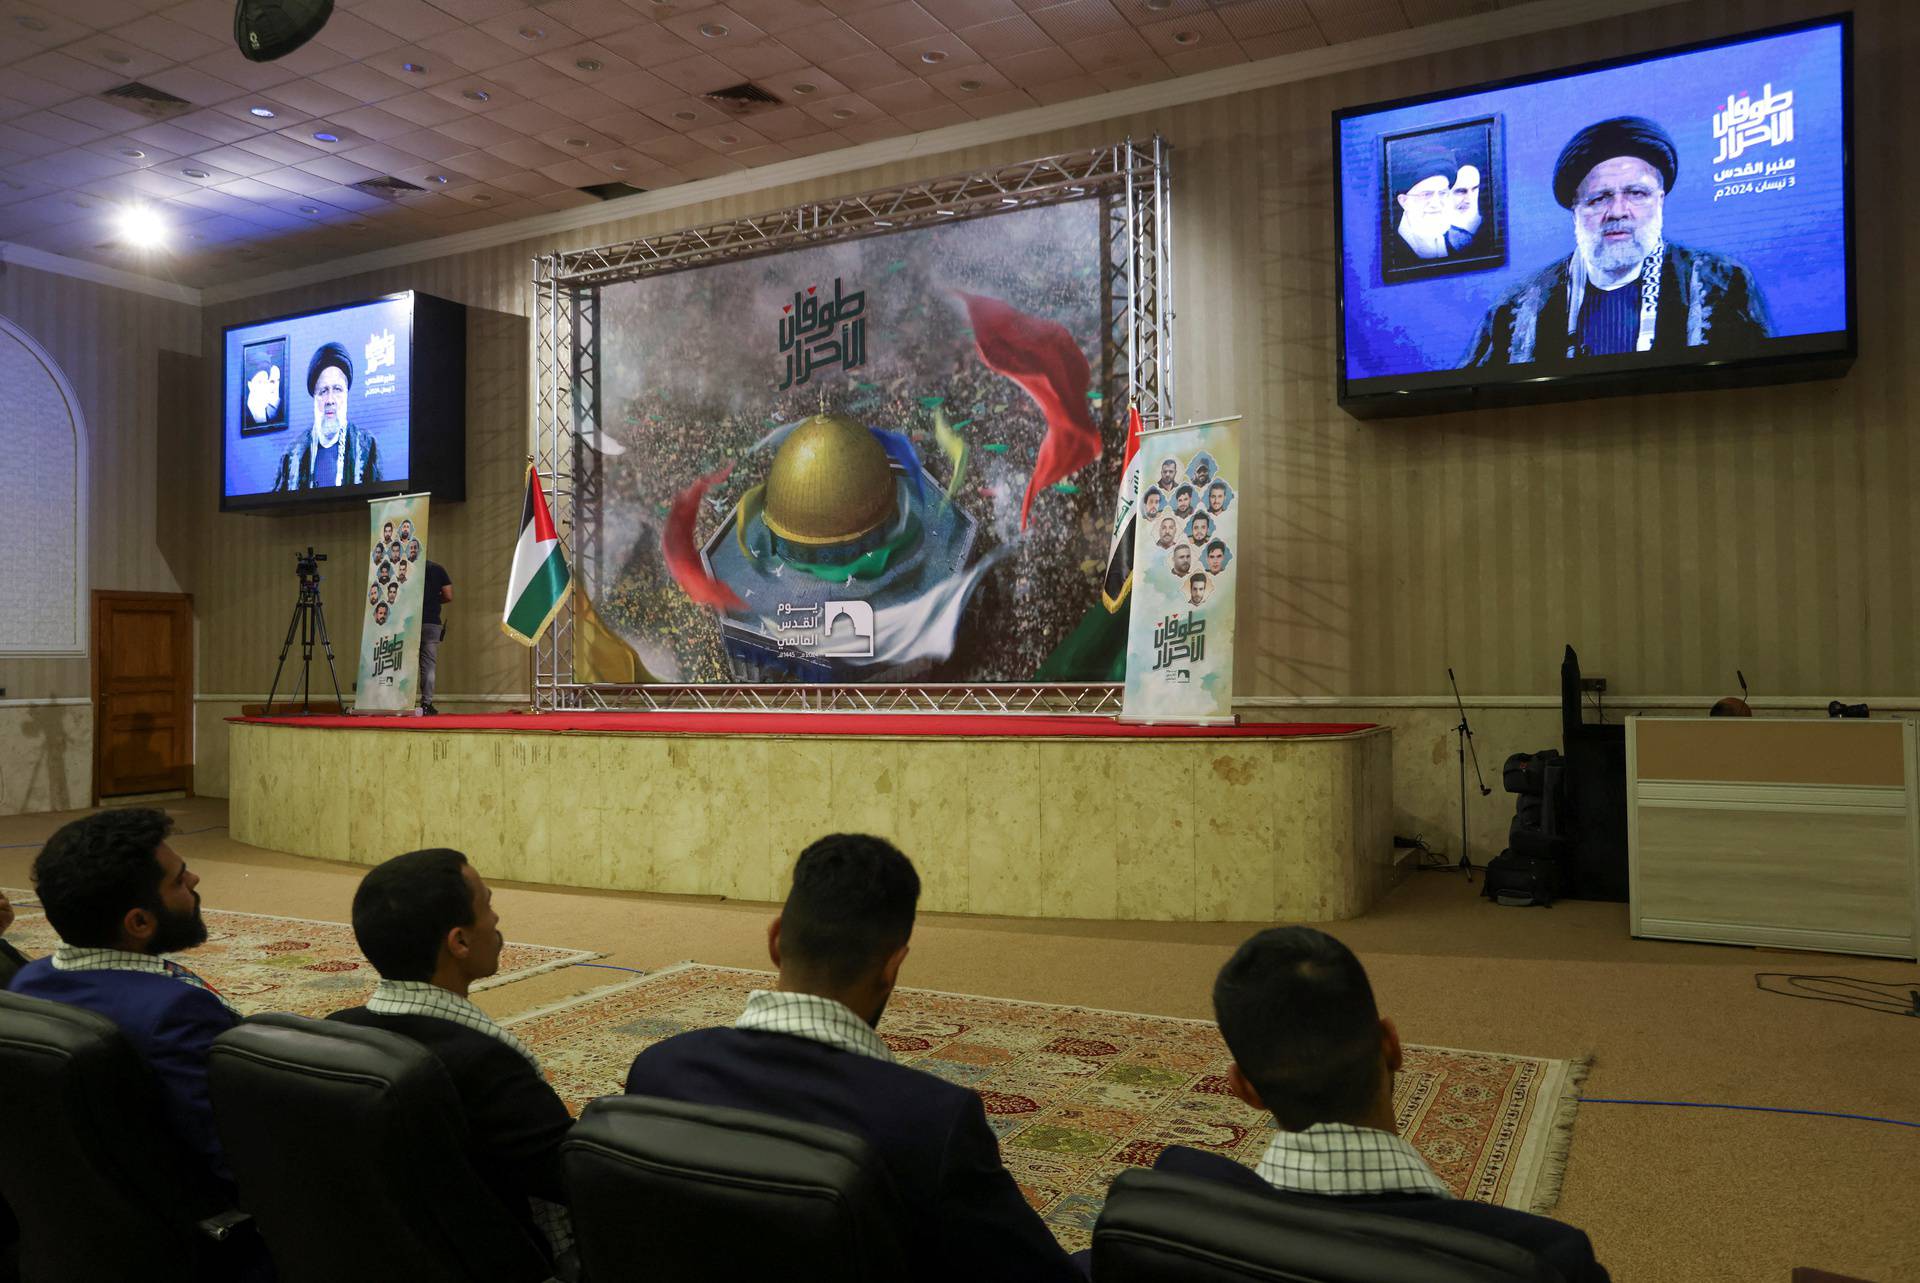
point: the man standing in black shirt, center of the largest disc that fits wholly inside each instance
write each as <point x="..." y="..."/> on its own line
<point x="439" y="589"/>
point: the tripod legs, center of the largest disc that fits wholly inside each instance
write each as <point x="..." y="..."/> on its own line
<point x="308" y="615"/>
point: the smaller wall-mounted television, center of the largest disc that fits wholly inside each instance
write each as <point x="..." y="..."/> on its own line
<point x="1679" y="219"/>
<point x="331" y="406"/>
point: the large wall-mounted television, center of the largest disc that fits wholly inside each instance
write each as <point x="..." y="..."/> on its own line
<point x="332" y="406"/>
<point x="1677" y="219"/>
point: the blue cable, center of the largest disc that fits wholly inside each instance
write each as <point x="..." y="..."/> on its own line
<point x="1757" y="1109"/>
<point x="608" y="966"/>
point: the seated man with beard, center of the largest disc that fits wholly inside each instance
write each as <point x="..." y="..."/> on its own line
<point x="1625" y="287"/>
<point x="120" y="897"/>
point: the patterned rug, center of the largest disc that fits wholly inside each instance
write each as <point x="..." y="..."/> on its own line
<point x="1077" y="1096"/>
<point x="263" y="963"/>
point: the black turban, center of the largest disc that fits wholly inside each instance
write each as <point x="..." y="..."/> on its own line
<point x="331" y="354"/>
<point x="1416" y="165"/>
<point x="1621" y="136"/>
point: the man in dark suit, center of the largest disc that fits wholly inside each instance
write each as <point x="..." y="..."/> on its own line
<point x="11" y="959"/>
<point x="1309" y="1045"/>
<point x="426" y="922"/>
<point x="806" y="1050"/>
<point x="119" y="897"/>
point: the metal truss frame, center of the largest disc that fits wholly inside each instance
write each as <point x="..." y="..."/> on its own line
<point x="1129" y="179"/>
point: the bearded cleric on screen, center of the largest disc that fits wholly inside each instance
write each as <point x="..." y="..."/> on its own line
<point x="1625" y="288"/>
<point x="333" y="452"/>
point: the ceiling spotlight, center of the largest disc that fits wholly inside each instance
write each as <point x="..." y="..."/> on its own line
<point x="414" y="68"/>
<point x="356" y="227"/>
<point x="441" y="179"/>
<point x="843" y="113"/>
<point x="194" y="173"/>
<point x="587" y="64"/>
<point x="265" y="113"/>
<point x="533" y="33"/>
<point x="309" y="209"/>
<point x="618" y="166"/>
<point x="482" y="197"/>
<point x="117" y="58"/>
<point x="969" y="86"/>
<point x="1186" y="37"/>
<point x="684" y="115"/>
<point x="324" y="137"/>
<point x="133" y="153"/>
<point x="476" y="95"/>
<point x="712" y="30"/>
<point x="728" y="140"/>
<point x="934" y="55"/>
<point x="31" y="23"/>
<point x="142" y="227"/>
<point x="576" y="142"/>
<point x="805" y="88"/>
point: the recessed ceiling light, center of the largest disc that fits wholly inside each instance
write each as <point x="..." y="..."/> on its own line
<point x="684" y="115"/>
<point x="265" y="113"/>
<point x="442" y="179"/>
<point x="618" y="166"/>
<point x="1159" y="6"/>
<point x="414" y="68"/>
<point x="141" y="226"/>
<point x="804" y="88"/>
<point x="576" y="142"/>
<point x="713" y="30"/>
<point x="356" y="227"/>
<point x="309" y="209"/>
<point x="117" y="58"/>
<point x="587" y="64"/>
<point x="194" y="173"/>
<point x="31" y="23"/>
<point x="78" y="203"/>
<point x="482" y="197"/>
<point x="324" y="137"/>
<point x="1186" y="37"/>
<point x="133" y="153"/>
<point x="934" y="55"/>
<point x="533" y="33"/>
<point x="728" y="140"/>
<point x="476" y="95"/>
<point x="843" y="113"/>
<point x="969" y="86"/>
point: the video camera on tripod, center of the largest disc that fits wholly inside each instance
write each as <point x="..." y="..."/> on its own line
<point x="307" y="566"/>
<point x="310" y="621"/>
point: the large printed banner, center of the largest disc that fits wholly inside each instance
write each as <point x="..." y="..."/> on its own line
<point x="1180" y="638"/>
<point x="878" y="459"/>
<point x="396" y="605"/>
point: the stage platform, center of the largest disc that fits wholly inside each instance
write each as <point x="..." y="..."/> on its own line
<point x="1052" y="817"/>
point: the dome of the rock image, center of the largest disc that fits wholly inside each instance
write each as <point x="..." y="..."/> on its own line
<point x="830" y="484"/>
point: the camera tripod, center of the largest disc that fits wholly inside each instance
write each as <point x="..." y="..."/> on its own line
<point x="310" y="621"/>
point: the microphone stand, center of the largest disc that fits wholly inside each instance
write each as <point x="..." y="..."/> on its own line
<point x="1465" y="732"/>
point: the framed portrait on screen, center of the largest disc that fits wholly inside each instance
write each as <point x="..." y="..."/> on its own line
<point x="1443" y="200"/>
<point x="265" y="387"/>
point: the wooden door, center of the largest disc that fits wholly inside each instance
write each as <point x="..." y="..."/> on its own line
<point x="142" y="693"/>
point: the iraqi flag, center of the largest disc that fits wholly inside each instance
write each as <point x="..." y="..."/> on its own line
<point x="538" y="586"/>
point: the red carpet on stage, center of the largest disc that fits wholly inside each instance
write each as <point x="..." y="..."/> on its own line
<point x="900" y="724"/>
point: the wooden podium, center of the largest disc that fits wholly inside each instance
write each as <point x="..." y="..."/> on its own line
<point x="1799" y="833"/>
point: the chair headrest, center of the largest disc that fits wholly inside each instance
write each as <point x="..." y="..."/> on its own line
<point x="1272" y="1237"/>
<point x="715" y="1141"/>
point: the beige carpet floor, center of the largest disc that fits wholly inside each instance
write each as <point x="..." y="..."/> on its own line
<point x="1666" y="1194"/>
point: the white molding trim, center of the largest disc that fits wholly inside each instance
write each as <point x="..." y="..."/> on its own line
<point x="1706" y="795"/>
<point x="118" y="278"/>
<point x="49" y="701"/>
<point x="82" y="497"/>
<point x="1439" y="37"/>
<point x="261" y="698"/>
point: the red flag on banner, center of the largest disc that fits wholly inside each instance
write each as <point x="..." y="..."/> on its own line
<point x="1044" y="360"/>
<point x="683" y="557"/>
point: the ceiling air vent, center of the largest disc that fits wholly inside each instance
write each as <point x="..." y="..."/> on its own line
<point x="386" y="187"/>
<point x="610" y="191"/>
<point x="743" y="99"/>
<point x="154" y="104"/>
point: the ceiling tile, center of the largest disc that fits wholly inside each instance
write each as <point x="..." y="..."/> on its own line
<point x="1000" y="104"/>
<point x="1110" y="49"/>
<point x="229" y="66"/>
<point x="354" y="36"/>
<point x="826" y="41"/>
<point x="580" y="102"/>
<point x="963" y="84"/>
<point x="530" y="78"/>
<point x="784" y="123"/>
<point x="573" y="173"/>
<point x="729" y="138"/>
<point x="1264" y="17"/>
<point x="285" y="114"/>
<point x="760" y="60"/>
<point x="314" y="98"/>
<point x="866" y="71"/>
<point x="49" y="31"/>
<point x="201" y="88"/>
<point x="528" y="117"/>
<point x="567" y="140"/>
<point x="33" y="91"/>
<point x="1182" y="35"/>
<point x="216" y="125"/>
<point x="294" y="180"/>
<point x="908" y="95"/>
<point x="626" y="127"/>
<point x="996" y="40"/>
<point x="411" y="20"/>
<point x="161" y="186"/>
<point x="236" y="160"/>
<point x="640" y="90"/>
<point x="592" y="17"/>
<point x="480" y="164"/>
<point x="566" y="198"/>
<point x="456" y="91"/>
<point x="374" y="122"/>
<point x="421" y="108"/>
<point x="511" y="28"/>
<point x="673" y="150"/>
<point x="815" y="144"/>
<point x="69" y="167"/>
<point x="948" y="49"/>
<point x="72" y="75"/>
<point x="1297" y="40"/>
<point x="811" y="82"/>
<point x="312" y="58"/>
<point x="682" y="114"/>
<point x="26" y="143"/>
<point x="954" y="14"/>
<point x="339" y="170"/>
<point x="647" y="45"/>
<point x="1203" y="58"/>
<point x="566" y="61"/>
<point x="875" y="130"/>
<point x="845" y="7"/>
<point x="278" y="148"/>
<point x="692" y="24"/>
<point x="1028" y="70"/>
<point x="468" y="49"/>
<point x="476" y="131"/>
<point x="1065" y="89"/>
<point x="1079" y="19"/>
<point x="118" y="147"/>
<point x="775" y="16"/>
<point x="1127" y="75"/>
<point x="430" y="145"/>
<point x="135" y="61"/>
<point x="938" y="116"/>
<point x="382" y="157"/>
<point x="526" y="182"/>
<point x="173" y="41"/>
<point x="101" y="115"/>
<point x="696" y="75"/>
<point x="895" y="23"/>
<point x="840" y="109"/>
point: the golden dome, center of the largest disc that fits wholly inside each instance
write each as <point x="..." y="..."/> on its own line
<point x="830" y="483"/>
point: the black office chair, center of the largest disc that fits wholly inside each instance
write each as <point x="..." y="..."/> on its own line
<point x="88" y="1165"/>
<point x="669" y="1192"/>
<point x="11" y="960"/>
<point x="350" y="1148"/>
<point x="1160" y="1228"/>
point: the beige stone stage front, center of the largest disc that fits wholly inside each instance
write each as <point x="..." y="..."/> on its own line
<point x="1275" y="823"/>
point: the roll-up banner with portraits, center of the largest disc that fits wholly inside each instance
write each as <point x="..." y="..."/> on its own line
<point x="1180" y="637"/>
<point x="396" y="605"/>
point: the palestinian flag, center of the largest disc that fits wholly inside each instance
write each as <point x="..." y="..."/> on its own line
<point x="538" y="586"/>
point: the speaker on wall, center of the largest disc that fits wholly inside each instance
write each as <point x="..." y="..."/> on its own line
<point x="269" y="29"/>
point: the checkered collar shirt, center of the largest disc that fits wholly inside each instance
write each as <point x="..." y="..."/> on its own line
<point x="74" y="958"/>
<point x="806" y="1015"/>
<point x="419" y="998"/>
<point x="1340" y="1159"/>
